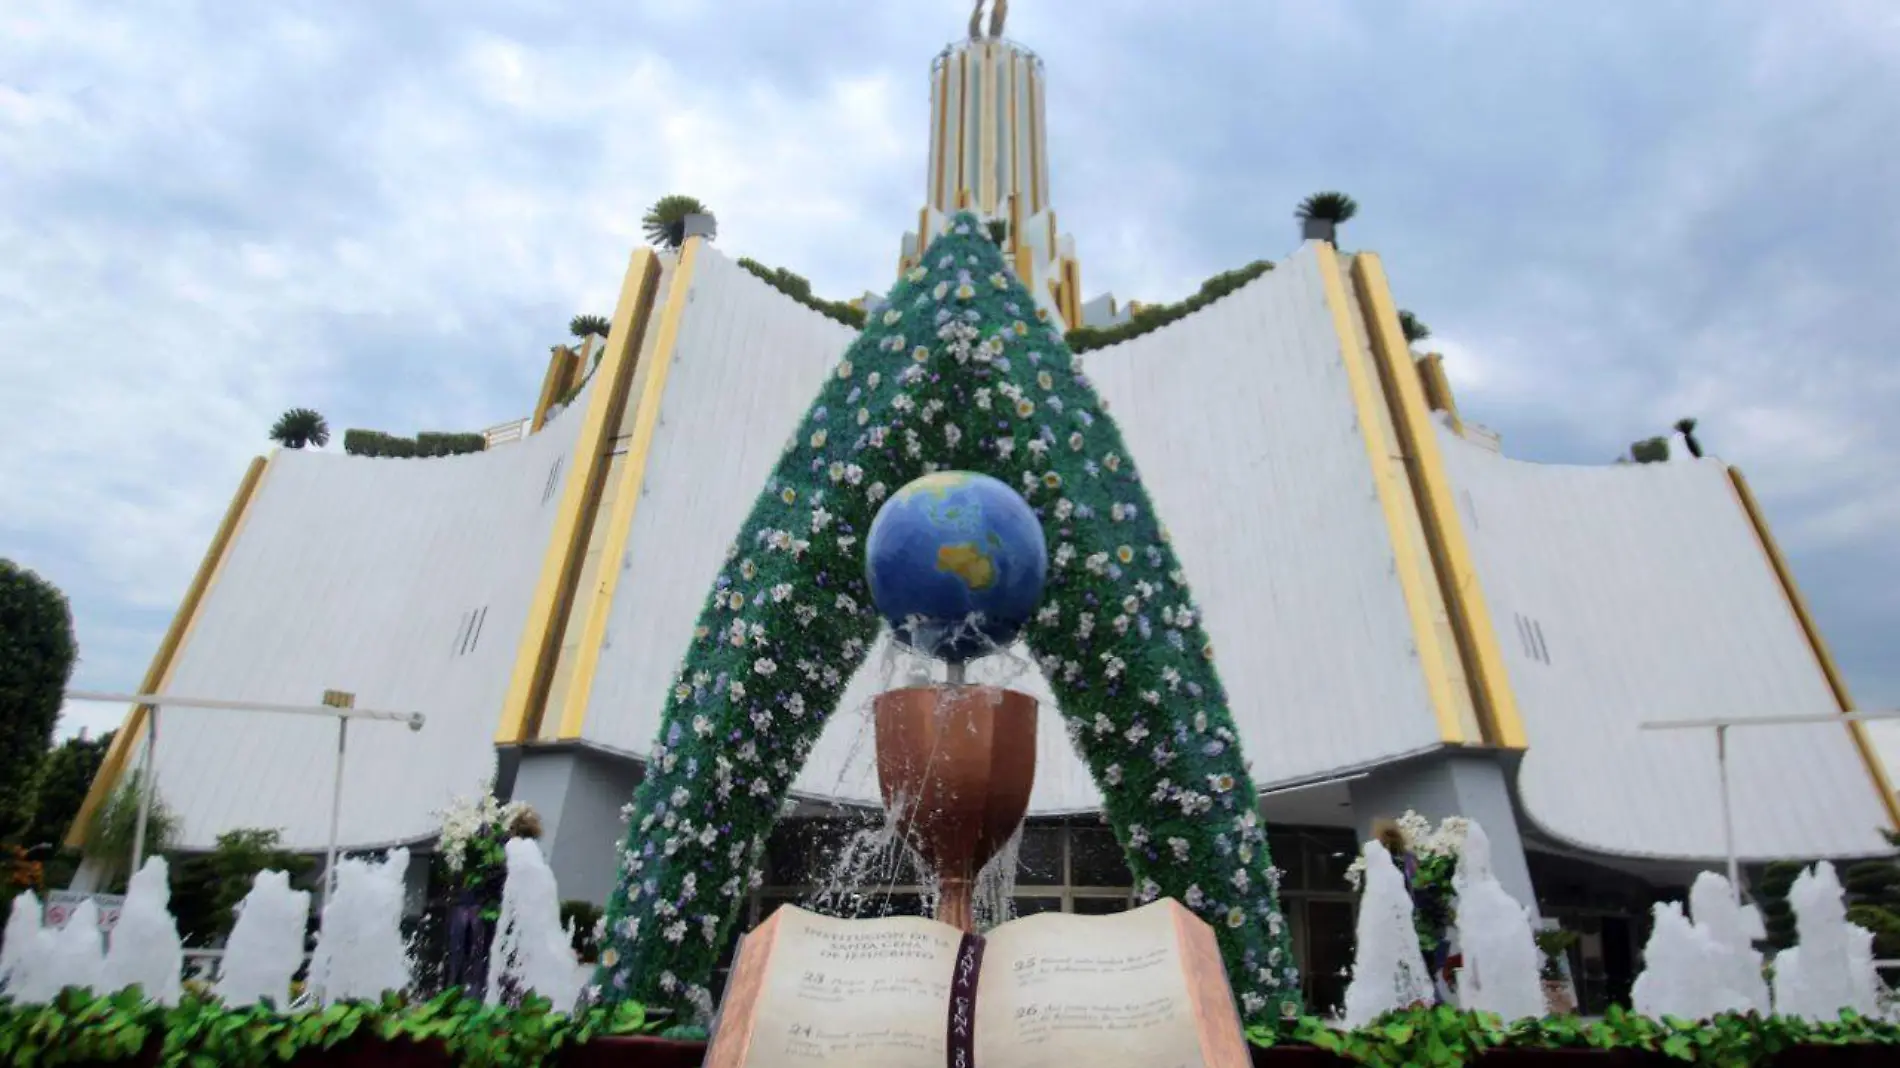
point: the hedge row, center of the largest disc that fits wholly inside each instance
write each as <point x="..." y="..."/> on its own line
<point x="799" y="289"/>
<point x="80" y="1028"/>
<point x="1154" y="316"/>
<point x="428" y="443"/>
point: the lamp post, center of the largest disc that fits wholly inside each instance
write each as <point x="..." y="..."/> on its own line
<point x="1721" y="728"/>
<point x="336" y="704"/>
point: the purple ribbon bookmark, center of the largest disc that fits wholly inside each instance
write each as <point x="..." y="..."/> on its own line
<point x="961" y="1045"/>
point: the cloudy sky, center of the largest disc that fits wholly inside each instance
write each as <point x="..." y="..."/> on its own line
<point x="1612" y="213"/>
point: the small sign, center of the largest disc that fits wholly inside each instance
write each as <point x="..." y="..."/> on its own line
<point x="61" y="903"/>
<point x="339" y="699"/>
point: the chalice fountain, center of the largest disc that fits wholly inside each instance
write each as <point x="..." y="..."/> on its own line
<point x="956" y="563"/>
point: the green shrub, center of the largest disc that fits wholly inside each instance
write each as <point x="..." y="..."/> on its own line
<point x="61" y="788"/>
<point x="207" y="887"/>
<point x="437" y="443"/>
<point x="582" y="916"/>
<point x="376" y="443"/>
<point x="799" y="289"/>
<point x="115" y="827"/>
<point x="428" y="443"/>
<point x="37" y="650"/>
<point x="1154" y="316"/>
<point x="1650" y="451"/>
<point x="1772" y="897"/>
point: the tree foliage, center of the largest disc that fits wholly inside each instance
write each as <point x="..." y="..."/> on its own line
<point x="1772" y="897"/>
<point x="1686" y="427"/>
<point x="665" y="222"/>
<point x="61" y="789"/>
<point x="300" y="427"/>
<point x="1331" y="206"/>
<point x="1650" y="450"/>
<point x="114" y="828"/>
<point x="206" y="887"/>
<point x="37" y="650"/>
<point x="1413" y="327"/>
<point x="1873" y="899"/>
<point x="583" y="325"/>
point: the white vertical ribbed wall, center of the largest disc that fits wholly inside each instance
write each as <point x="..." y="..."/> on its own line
<point x="746" y="365"/>
<point x="1242" y="420"/>
<point x="1243" y="425"/>
<point x="357" y="574"/>
<point x="1633" y="593"/>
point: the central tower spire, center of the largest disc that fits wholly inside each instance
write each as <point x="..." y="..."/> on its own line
<point x="989" y="154"/>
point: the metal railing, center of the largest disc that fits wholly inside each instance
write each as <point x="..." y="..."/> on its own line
<point x="504" y="433"/>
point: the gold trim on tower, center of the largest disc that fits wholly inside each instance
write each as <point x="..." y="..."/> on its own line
<point x="1015" y="154"/>
<point x="986" y="129"/>
<point x="548" y="610"/>
<point x="1039" y="197"/>
<point x="1456" y="569"/>
<point x="158" y="674"/>
<point x="650" y="390"/>
<point x="938" y="197"/>
<point x="1869" y="756"/>
<point x="960" y="187"/>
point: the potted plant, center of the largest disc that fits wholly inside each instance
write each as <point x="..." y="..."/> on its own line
<point x="1321" y="214"/>
<point x="674" y="218"/>
<point x="1554" y="943"/>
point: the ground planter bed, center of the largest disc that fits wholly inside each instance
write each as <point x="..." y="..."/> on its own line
<point x="124" y="1030"/>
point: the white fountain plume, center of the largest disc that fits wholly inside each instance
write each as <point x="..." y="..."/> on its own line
<point x="1388" y="971"/>
<point x="146" y="950"/>
<point x="76" y="953"/>
<point x="360" y="950"/>
<point x="24" y="955"/>
<point x="1831" y="966"/>
<point x="531" y="947"/>
<point x="266" y="944"/>
<point x="1732" y="929"/>
<point x="1680" y="964"/>
<point x="1494" y="934"/>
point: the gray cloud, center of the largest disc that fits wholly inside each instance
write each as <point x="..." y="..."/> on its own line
<point x="1613" y="215"/>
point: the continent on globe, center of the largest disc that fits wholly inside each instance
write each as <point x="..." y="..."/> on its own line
<point x="968" y="563"/>
<point x="956" y="563"/>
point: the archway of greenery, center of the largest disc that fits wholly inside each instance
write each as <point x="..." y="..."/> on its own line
<point x="959" y="372"/>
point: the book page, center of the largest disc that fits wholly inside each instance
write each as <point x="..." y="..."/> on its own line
<point x="855" y="993"/>
<point x="1061" y="990"/>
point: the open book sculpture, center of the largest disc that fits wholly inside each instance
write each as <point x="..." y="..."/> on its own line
<point x="1144" y="989"/>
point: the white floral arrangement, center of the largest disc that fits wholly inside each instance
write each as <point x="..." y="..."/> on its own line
<point x="1446" y="840"/>
<point x="466" y="818"/>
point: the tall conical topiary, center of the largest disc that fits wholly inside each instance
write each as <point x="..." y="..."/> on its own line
<point x="959" y="372"/>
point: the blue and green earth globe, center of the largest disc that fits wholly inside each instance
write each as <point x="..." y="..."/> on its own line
<point x="956" y="562"/>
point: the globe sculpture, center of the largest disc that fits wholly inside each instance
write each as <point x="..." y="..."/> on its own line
<point x="956" y="563"/>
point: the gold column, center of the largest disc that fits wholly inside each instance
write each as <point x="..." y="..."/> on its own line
<point x="649" y="389"/>
<point x="1451" y="553"/>
<point x="1417" y="581"/>
<point x="986" y="129"/>
<point x="559" y="376"/>
<point x="580" y="499"/>
<point x="939" y="198"/>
